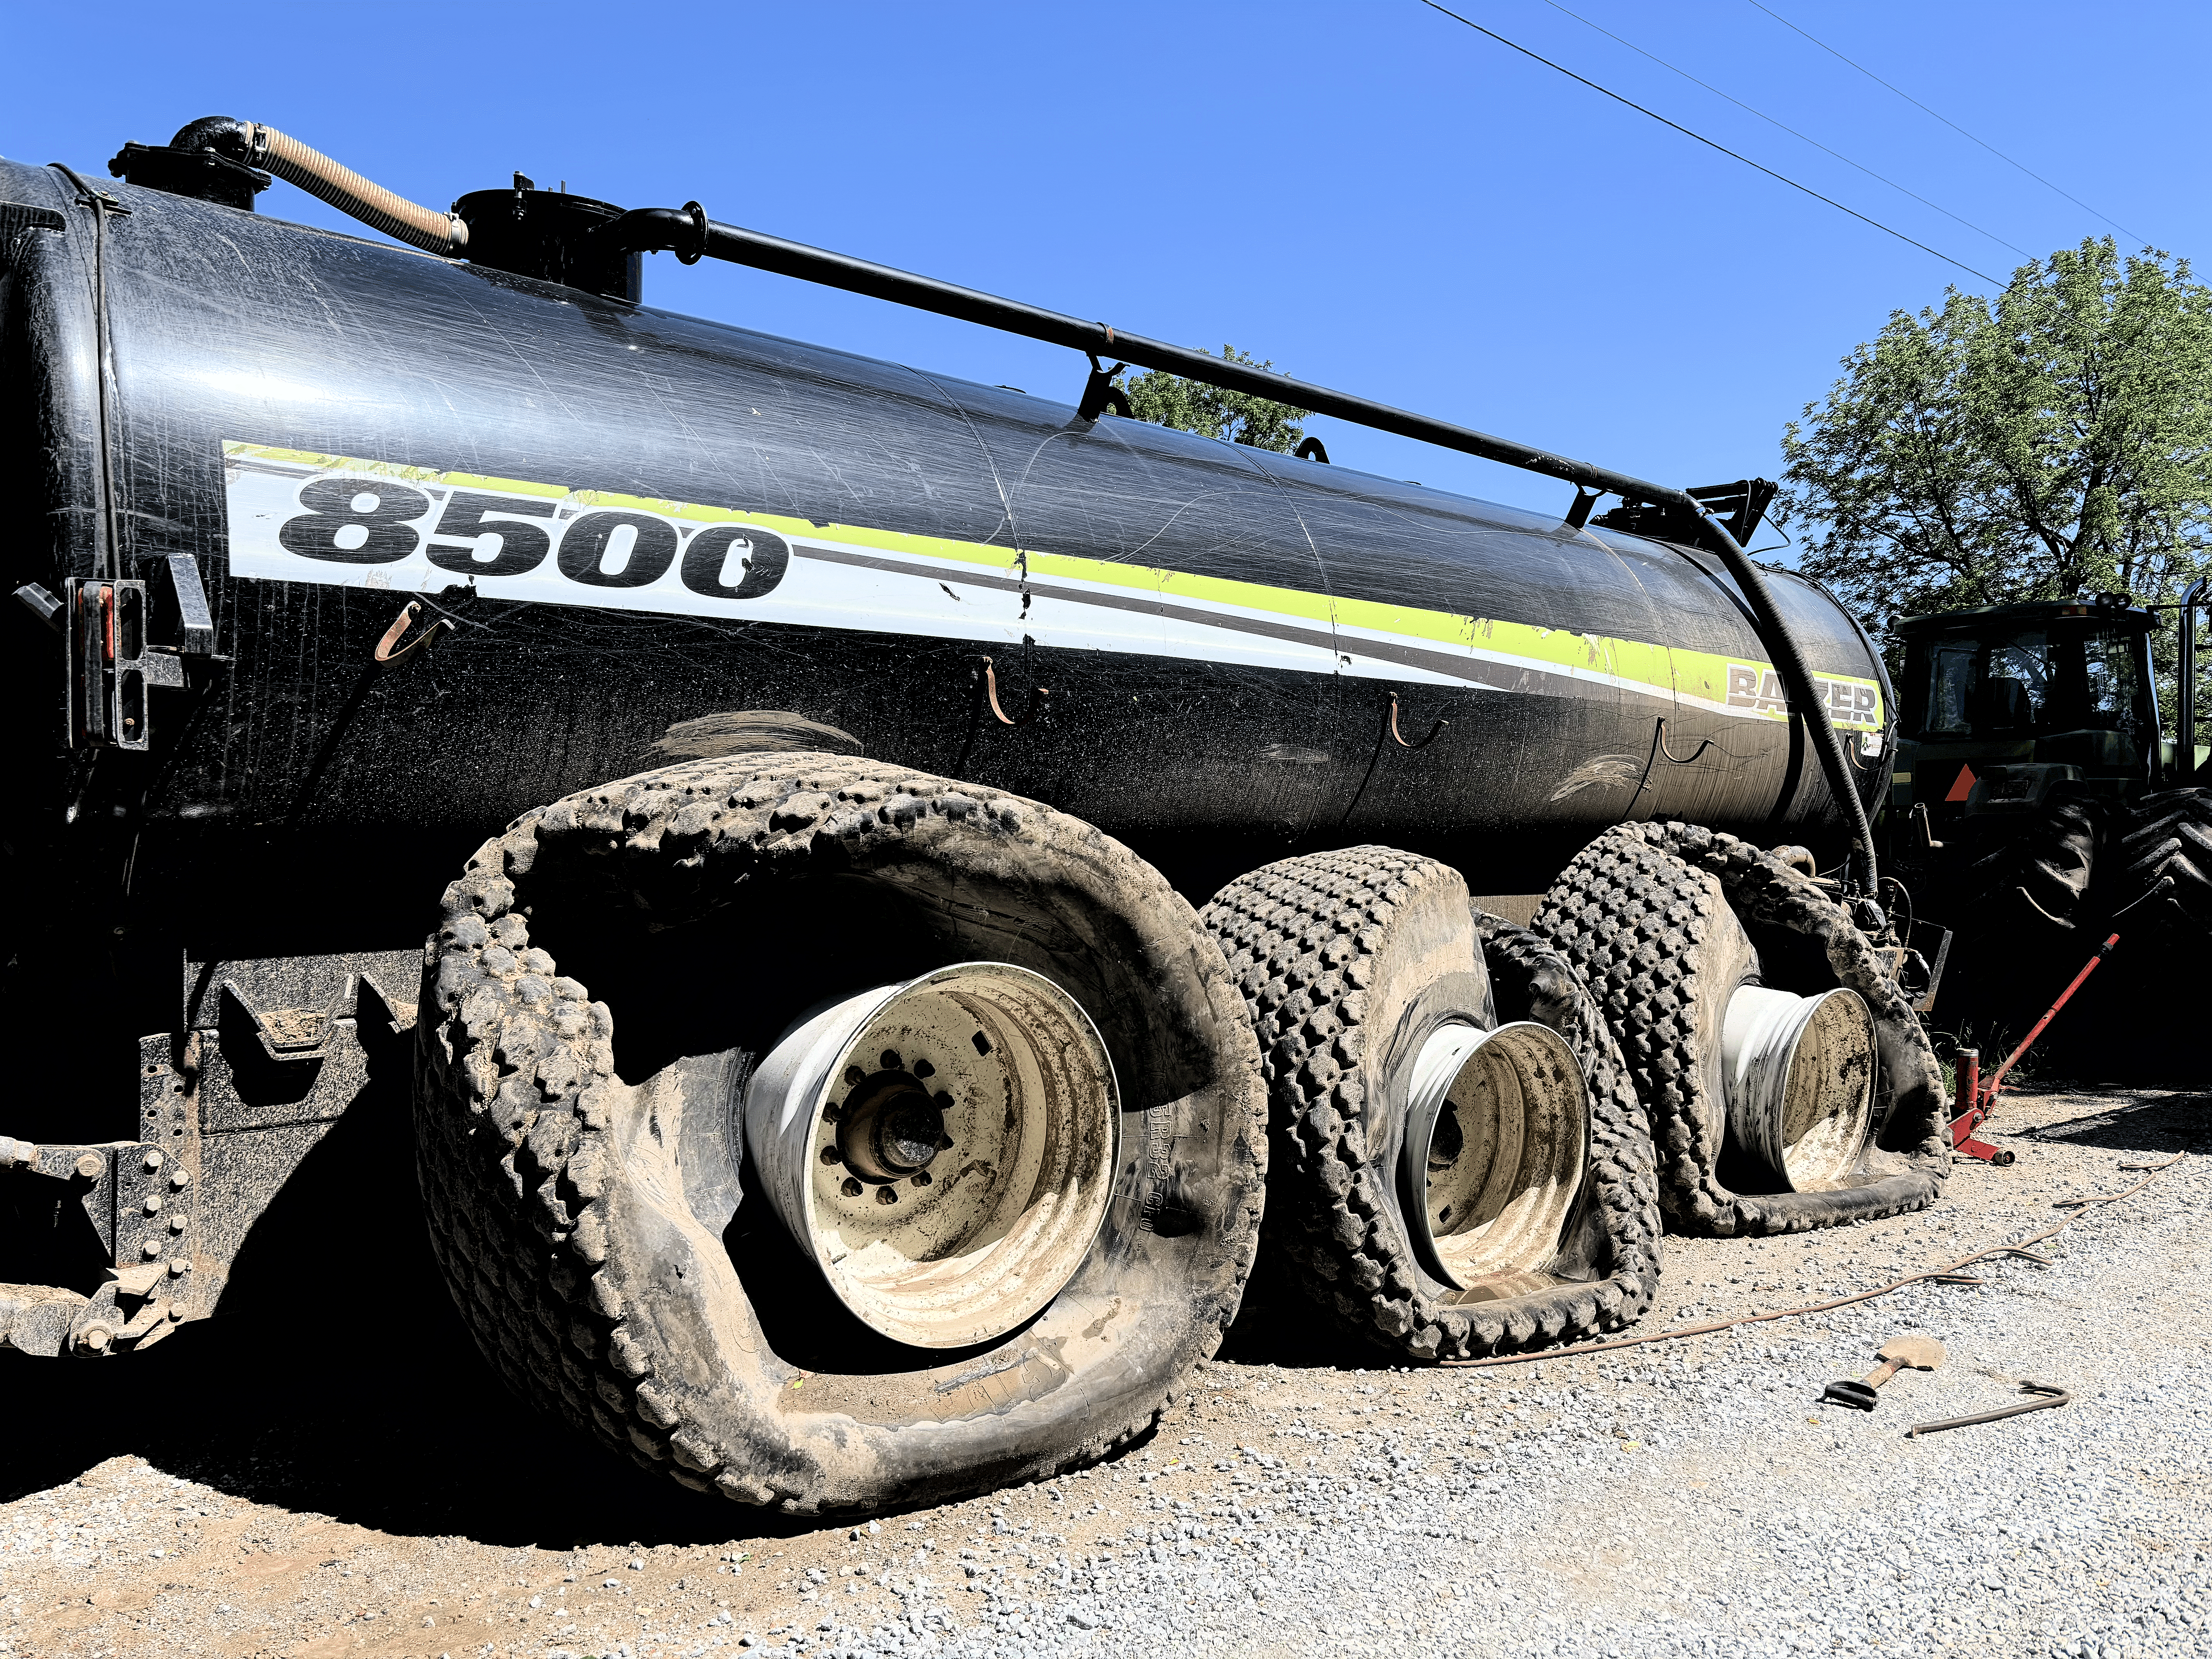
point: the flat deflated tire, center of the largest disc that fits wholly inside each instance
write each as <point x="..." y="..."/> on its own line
<point x="1644" y="913"/>
<point x="1349" y="961"/>
<point x="591" y="1202"/>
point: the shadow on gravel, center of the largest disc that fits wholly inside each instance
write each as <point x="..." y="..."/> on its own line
<point x="1276" y="1325"/>
<point x="339" y="1381"/>
<point x="2136" y="1122"/>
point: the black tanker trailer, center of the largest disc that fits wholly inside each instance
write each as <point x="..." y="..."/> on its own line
<point x="829" y="754"/>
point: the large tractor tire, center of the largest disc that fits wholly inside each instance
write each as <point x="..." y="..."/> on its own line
<point x="1668" y="923"/>
<point x="2140" y="1018"/>
<point x="1357" y="967"/>
<point x="589" y="1141"/>
<point x="2041" y="871"/>
<point x="2163" y="873"/>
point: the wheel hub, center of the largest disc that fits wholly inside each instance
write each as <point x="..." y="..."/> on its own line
<point x="944" y="1149"/>
<point x="1496" y="1130"/>
<point x="1799" y="1072"/>
<point x="889" y="1127"/>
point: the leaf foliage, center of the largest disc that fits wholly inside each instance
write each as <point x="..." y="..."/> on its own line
<point x="2053" y="441"/>
<point x="1236" y="417"/>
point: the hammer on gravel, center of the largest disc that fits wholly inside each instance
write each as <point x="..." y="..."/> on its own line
<point x="1920" y="1353"/>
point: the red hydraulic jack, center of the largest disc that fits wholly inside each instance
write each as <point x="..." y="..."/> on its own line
<point x="1981" y="1098"/>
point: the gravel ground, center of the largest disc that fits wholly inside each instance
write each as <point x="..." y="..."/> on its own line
<point x="339" y="1481"/>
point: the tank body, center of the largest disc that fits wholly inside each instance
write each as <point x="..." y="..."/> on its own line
<point x="651" y="538"/>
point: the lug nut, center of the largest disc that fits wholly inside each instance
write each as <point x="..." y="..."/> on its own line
<point x="153" y="1203"/>
<point x="829" y="1154"/>
<point x="92" y="1166"/>
<point x="150" y="1248"/>
<point x="855" y="1076"/>
<point x="180" y="1179"/>
<point x="850" y="1188"/>
<point x="153" y="1161"/>
<point x="886" y="1195"/>
<point x="922" y="1178"/>
<point x="890" y="1060"/>
<point x="179" y="1267"/>
<point x="178" y="1221"/>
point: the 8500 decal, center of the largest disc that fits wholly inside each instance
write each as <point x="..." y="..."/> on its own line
<point x="369" y="519"/>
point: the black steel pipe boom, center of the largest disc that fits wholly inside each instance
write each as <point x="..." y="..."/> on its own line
<point x="689" y="234"/>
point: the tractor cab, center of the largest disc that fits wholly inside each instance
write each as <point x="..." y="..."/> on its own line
<point x="1999" y="706"/>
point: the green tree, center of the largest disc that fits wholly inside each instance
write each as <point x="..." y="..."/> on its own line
<point x="2056" y="440"/>
<point x="1192" y="406"/>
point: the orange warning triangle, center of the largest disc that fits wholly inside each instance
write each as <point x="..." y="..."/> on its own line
<point x="1963" y="786"/>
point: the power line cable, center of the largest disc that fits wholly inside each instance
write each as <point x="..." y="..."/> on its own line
<point x="1710" y="145"/>
<point x="1792" y="131"/>
<point x="1945" y="119"/>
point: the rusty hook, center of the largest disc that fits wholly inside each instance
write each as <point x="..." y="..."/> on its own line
<point x="1399" y="736"/>
<point x="1679" y="760"/>
<point x="387" y="655"/>
<point x="991" y="690"/>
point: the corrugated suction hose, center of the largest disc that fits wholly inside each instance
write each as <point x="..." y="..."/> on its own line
<point x="349" y="193"/>
<point x="319" y="175"/>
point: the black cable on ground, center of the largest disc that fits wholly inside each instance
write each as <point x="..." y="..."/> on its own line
<point x="1950" y="1274"/>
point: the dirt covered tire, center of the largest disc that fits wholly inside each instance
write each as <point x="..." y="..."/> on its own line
<point x="1348" y="960"/>
<point x="2162" y="869"/>
<point x="1636" y="913"/>
<point x="580" y="1211"/>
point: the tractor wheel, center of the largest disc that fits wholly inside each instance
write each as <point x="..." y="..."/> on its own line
<point x="1441" y="1184"/>
<point x="1772" y="1111"/>
<point x="2040" y="873"/>
<point x="2164" y="864"/>
<point x="2140" y="1017"/>
<point x="908" y="1141"/>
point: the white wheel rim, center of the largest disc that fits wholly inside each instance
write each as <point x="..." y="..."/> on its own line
<point x="939" y="1245"/>
<point x="1799" y="1072"/>
<point x="1496" y="1134"/>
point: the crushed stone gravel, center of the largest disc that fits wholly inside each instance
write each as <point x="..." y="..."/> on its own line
<point x="344" y="1485"/>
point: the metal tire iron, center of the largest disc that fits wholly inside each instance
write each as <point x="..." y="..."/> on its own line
<point x="1981" y="1098"/>
<point x="1919" y="1353"/>
<point x="2046" y="1397"/>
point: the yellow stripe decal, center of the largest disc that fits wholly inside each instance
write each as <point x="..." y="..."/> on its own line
<point x="1722" y="684"/>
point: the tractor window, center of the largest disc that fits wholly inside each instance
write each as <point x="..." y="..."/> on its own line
<point x="2015" y="685"/>
<point x="2108" y="686"/>
<point x="2030" y="682"/>
<point x="1978" y="687"/>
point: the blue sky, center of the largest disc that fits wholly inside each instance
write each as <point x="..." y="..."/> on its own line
<point x="1372" y="195"/>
